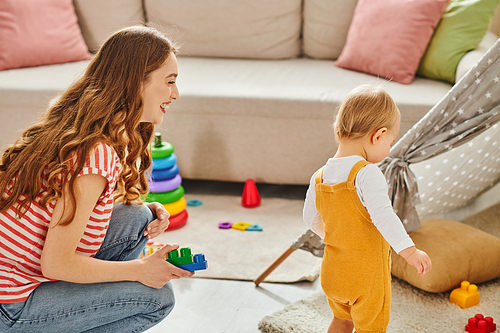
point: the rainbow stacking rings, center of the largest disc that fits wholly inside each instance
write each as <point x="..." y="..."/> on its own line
<point x="165" y="183"/>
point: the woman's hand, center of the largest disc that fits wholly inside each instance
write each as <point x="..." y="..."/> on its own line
<point x="158" y="271"/>
<point x="161" y="223"/>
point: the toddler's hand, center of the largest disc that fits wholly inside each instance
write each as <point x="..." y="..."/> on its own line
<point x="418" y="259"/>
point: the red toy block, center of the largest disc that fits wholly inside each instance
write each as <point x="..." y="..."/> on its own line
<point x="251" y="196"/>
<point x="480" y="324"/>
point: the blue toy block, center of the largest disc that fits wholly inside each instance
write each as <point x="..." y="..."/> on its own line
<point x="199" y="263"/>
<point x="254" y="227"/>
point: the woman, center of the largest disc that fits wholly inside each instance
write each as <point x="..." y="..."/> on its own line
<point x="72" y="225"/>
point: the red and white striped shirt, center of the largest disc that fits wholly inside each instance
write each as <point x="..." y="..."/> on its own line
<point x="22" y="240"/>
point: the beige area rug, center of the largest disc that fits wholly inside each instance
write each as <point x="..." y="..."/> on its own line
<point x="412" y="311"/>
<point x="244" y="255"/>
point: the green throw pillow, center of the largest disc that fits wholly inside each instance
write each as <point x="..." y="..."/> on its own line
<point x="461" y="29"/>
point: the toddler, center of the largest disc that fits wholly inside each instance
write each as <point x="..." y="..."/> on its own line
<point x="348" y="205"/>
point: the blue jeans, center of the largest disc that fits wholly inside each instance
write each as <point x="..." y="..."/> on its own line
<point x="98" y="307"/>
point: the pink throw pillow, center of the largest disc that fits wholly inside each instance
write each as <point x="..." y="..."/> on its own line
<point x="388" y="38"/>
<point x="41" y="32"/>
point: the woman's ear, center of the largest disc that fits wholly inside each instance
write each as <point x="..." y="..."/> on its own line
<point x="377" y="135"/>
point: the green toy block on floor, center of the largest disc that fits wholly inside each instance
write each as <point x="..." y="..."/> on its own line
<point x="185" y="258"/>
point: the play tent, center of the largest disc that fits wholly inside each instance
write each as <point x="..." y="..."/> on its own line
<point x="454" y="150"/>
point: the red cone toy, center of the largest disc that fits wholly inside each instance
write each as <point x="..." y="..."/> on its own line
<point x="251" y="196"/>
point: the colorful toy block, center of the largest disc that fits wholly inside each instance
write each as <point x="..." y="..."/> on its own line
<point x="150" y="248"/>
<point x="480" y="324"/>
<point x="185" y="258"/>
<point x="225" y="225"/>
<point x="187" y="261"/>
<point x="466" y="296"/>
<point x="241" y="226"/>
<point x="199" y="263"/>
<point x="254" y="227"/>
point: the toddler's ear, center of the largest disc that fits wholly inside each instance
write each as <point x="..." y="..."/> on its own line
<point x="377" y="135"/>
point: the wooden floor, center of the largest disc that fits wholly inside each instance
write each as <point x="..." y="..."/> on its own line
<point x="229" y="306"/>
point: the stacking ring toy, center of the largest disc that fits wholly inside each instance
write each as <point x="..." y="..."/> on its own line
<point x="165" y="185"/>
<point x="164" y="163"/>
<point x="177" y="207"/>
<point x="165" y="150"/>
<point x="166" y="197"/>
<point x="178" y="220"/>
<point x="165" y="174"/>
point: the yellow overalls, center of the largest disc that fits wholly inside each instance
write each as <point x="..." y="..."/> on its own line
<point x="355" y="272"/>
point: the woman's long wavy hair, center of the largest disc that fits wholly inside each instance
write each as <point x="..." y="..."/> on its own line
<point x="104" y="105"/>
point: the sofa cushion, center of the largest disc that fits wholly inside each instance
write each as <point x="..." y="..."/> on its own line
<point x="387" y="38"/>
<point x="41" y="34"/>
<point x="98" y="19"/>
<point x="471" y="58"/>
<point x="325" y="27"/>
<point x="218" y="28"/>
<point x="461" y="29"/>
<point x="458" y="252"/>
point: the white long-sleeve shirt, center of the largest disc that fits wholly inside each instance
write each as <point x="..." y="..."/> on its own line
<point x="372" y="190"/>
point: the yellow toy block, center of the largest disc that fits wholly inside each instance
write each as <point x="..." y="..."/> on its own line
<point x="465" y="296"/>
<point x="241" y="226"/>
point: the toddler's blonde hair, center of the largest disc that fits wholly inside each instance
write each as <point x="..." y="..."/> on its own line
<point x="365" y="109"/>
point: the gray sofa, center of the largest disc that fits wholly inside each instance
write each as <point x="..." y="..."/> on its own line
<point x="258" y="87"/>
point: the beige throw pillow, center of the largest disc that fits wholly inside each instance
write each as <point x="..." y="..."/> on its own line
<point x="325" y="27"/>
<point x="225" y="28"/>
<point x="458" y="252"/>
<point x="99" y="19"/>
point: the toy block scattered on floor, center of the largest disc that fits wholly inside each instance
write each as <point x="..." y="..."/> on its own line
<point x="254" y="227"/>
<point x="225" y="225"/>
<point x="466" y="296"/>
<point x="480" y="324"/>
<point x="241" y="226"/>
<point x="186" y="260"/>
